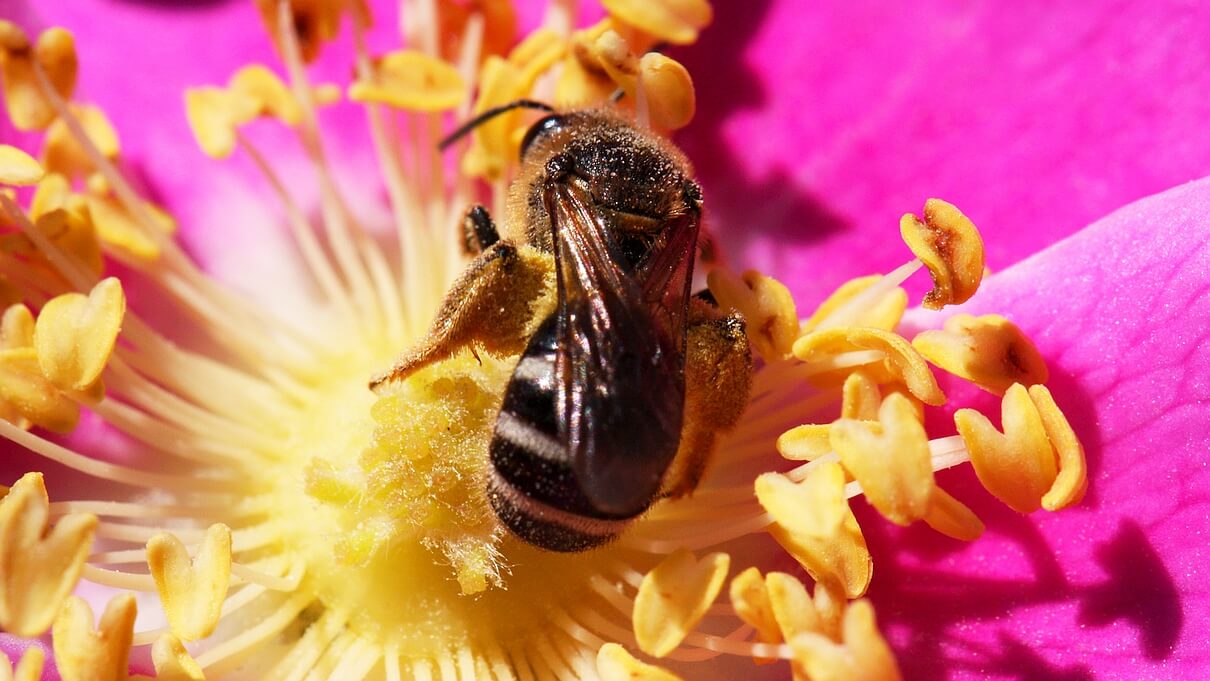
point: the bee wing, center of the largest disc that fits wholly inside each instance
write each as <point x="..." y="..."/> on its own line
<point x="620" y="365"/>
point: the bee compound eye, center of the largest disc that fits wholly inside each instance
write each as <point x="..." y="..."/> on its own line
<point x="542" y="127"/>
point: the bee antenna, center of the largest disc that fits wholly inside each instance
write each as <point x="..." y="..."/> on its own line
<point x="486" y="116"/>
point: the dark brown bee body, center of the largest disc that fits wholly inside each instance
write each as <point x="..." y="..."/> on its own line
<point x="594" y="417"/>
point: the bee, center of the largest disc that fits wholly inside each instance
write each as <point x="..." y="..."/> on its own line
<point x="623" y="377"/>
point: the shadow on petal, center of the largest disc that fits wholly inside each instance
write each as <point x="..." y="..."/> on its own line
<point x="1139" y="589"/>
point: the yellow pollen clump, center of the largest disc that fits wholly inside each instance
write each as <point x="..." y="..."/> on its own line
<point x="191" y="589"/>
<point x="948" y="244"/>
<point x="54" y="55"/>
<point x="989" y="351"/>
<point x="83" y="653"/>
<point x="765" y="303"/>
<point x="901" y="362"/>
<point x="18" y="168"/>
<point x="860" y="655"/>
<point x="38" y="569"/>
<point x="75" y="335"/>
<point x="675" y="21"/>
<point x="814" y="507"/>
<point x="410" y="80"/>
<point x="674" y="597"/>
<point x="29" y="668"/>
<point x="172" y="662"/>
<point x="62" y="153"/>
<point x="615" y="663"/>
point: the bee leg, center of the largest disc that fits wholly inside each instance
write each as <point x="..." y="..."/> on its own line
<point x="479" y="232"/>
<point x="718" y="375"/>
<point x="492" y="306"/>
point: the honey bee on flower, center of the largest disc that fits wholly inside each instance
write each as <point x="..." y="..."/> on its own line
<point x="258" y="512"/>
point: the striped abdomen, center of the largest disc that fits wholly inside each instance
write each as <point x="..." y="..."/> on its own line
<point x="533" y="488"/>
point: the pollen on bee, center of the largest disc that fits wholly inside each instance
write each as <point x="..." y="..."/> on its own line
<point x="420" y="478"/>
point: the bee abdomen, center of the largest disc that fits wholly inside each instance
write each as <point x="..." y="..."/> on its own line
<point x="533" y="488"/>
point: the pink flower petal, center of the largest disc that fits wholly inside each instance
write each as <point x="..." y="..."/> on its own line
<point x="1116" y="586"/>
<point x="822" y="122"/>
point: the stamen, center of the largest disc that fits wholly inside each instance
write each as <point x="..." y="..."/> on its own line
<point x="172" y="661"/>
<point x="947" y="242"/>
<point x="674" y="597"/>
<point x="18" y="168"/>
<point x="82" y="652"/>
<point x="614" y="663"/>
<point x="40" y="568"/>
<point x="217" y="659"/>
<point x="191" y="589"/>
<point x="989" y="351"/>
<point x="29" y="667"/>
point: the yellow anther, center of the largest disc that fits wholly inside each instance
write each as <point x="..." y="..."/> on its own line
<point x="192" y="590"/>
<point x="843" y="558"/>
<point x="29" y="668"/>
<point x="674" y="21"/>
<point x="539" y="51"/>
<point x="16" y="328"/>
<point x="952" y="518"/>
<point x="893" y="466"/>
<point x="805" y="443"/>
<point x="861" y="655"/>
<point x="902" y="363"/>
<point x="814" y="507"/>
<point x="495" y="144"/>
<point x="499" y="26"/>
<point x="792" y="608"/>
<point x="989" y="351"/>
<point x="1072" y="480"/>
<point x="674" y="597"/>
<point x="271" y="96"/>
<point x="411" y="80"/>
<point x="76" y="334"/>
<point x="583" y="80"/>
<point x="24" y="390"/>
<point x="613" y="55"/>
<point x="172" y="662"/>
<point x="948" y="244"/>
<point x="766" y="305"/>
<point x="1017" y="466"/>
<point x="63" y="153"/>
<point x="53" y="192"/>
<point x="83" y="653"/>
<point x="17" y="167"/>
<point x="668" y="89"/>
<point x="72" y="231"/>
<point x="860" y="398"/>
<point x="883" y="313"/>
<point x="615" y="663"/>
<point x="38" y="569"/>
<point x="751" y="601"/>
<point x="119" y="231"/>
<point x="55" y="53"/>
<point x="214" y="114"/>
<point x="314" y="22"/>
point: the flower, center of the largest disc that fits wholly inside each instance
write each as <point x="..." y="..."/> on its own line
<point x="1018" y="309"/>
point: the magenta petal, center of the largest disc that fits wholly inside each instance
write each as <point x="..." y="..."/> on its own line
<point x="820" y="123"/>
<point x="1117" y="586"/>
<point x="14" y="648"/>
